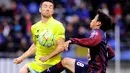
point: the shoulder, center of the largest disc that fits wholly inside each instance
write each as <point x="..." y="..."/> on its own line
<point x="95" y="32"/>
<point x="35" y="25"/>
<point x="57" y="22"/>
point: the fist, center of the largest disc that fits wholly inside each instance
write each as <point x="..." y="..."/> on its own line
<point x="18" y="60"/>
<point x="44" y="58"/>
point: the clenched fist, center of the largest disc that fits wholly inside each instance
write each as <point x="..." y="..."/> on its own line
<point x="44" y="58"/>
<point x="18" y="60"/>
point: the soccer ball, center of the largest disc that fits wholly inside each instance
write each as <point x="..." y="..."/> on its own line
<point x="46" y="38"/>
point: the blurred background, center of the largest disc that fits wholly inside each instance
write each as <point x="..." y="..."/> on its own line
<point x="17" y="16"/>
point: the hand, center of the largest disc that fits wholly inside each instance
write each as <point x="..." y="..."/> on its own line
<point x="66" y="45"/>
<point x="18" y="60"/>
<point x="44" y="58"/>
<point x="89" y="58"/>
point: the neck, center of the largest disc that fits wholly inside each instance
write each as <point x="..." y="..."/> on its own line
<point x="96" y="28"/>
<point x="44" y="19"/>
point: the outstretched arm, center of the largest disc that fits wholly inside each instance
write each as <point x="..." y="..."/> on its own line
<point x="88" y="42"/>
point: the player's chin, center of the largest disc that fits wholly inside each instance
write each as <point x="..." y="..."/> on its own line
<point x="90" y="26"/>
<point x="47" y="15"/>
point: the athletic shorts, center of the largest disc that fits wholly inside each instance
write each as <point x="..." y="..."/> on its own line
<point x="37" y="67"/>
<point x="81" y="67"/>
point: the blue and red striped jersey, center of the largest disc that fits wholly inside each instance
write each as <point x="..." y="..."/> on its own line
<point x="100" y="50"/>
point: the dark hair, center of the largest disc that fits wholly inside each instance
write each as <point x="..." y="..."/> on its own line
<point x="105" y="20"/>
<point x="51" y="1"/>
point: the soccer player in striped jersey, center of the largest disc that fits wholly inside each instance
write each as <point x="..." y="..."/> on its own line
<point x="100" y="50"/>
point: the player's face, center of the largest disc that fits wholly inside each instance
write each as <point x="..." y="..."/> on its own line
<point x="93" y="23"/>
<point x="47" y="9"/>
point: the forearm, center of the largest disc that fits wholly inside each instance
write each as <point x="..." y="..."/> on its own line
<point x="87" y="42"/>
<point x="30" y="51"/>
<point x="94" y="39"/>
<point x="58" y="50"/>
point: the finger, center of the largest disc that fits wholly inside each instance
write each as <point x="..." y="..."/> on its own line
<point x="66" y="49"/>
<point x="40" y="58"/>
<point x="15" y="61"/>
<point x="67" y="46"/>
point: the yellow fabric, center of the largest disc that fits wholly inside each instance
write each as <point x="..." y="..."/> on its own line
<point x="38" y="67"/>
<point x="57" y="29"/>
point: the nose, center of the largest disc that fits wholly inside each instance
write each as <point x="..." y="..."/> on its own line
<point x="47" y="9"/>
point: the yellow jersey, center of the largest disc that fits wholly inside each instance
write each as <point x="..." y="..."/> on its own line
<point x="57" y="29"/>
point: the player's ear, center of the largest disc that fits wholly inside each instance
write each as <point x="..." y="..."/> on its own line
<point x="40" y="9"/>
<point x="99" y="23"/>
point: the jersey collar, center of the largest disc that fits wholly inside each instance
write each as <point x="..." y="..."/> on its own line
<point x="50" y="19"/>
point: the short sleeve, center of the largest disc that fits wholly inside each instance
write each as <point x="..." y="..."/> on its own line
<point x="32" y="33"/>
<point x="60" y="32"/>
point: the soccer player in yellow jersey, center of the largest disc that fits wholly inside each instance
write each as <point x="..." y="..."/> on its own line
<point x="44" y="56"/>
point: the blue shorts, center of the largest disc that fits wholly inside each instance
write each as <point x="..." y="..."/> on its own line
<point x="81" y="67"/>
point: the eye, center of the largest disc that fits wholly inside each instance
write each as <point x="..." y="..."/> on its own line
<point x="45" y="6"/>
<point x="51" y="7"/>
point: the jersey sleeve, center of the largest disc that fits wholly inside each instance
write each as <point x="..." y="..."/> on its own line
<point x="94" y="39"/>
<point x="111" y="53"/>
<point x="60" y="32"/>
<point x="32" y="33"/>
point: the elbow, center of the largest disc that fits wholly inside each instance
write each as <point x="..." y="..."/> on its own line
<point x="111" y="56"/>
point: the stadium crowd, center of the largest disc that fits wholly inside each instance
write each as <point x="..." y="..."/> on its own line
<point x="16" y="21"/>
